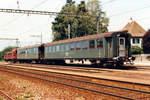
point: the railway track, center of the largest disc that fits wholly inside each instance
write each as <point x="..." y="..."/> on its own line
<point x="4" y="96"/>
<point x="65" y="68"/>
<point x="87" y="70"/>
<point x="83" y="83"/>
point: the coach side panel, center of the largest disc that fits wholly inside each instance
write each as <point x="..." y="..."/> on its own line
<point x="28" y="53"/>
<point x="88" y="49"/>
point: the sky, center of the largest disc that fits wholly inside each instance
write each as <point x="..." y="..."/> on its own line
<point x="24" y="26"/>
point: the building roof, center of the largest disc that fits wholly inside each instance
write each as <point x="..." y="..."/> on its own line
<point x="134" y="29"/>
<point x="108" y="34"/>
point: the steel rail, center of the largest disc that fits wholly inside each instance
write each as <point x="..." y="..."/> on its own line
<point x="81" y="80"/>
<point x="80" y="69"/>
<point x="134" y="83"/>
<point x="90" y="83"/>
<point x="74" y="86"/>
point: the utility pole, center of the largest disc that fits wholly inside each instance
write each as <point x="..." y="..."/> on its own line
<point x="17" y="42"/>
<point x="98" y="23"/>
<point x="18" y="4"/>
<point x="69" y="31"/>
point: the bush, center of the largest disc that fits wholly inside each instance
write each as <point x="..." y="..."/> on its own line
<point x="136" y="50"/>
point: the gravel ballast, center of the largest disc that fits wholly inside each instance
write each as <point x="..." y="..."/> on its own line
<point x="23" y="88"/>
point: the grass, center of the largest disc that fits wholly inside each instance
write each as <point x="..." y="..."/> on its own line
<point x="3" y="79"/>
<point x="20" y="98"/>
<point x="24" y="87"/>
<point x="28" y="95"/>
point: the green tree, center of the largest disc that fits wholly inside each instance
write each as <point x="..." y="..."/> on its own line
<point x="60" y="25"/>
<point x="69" y="2"/>
<point x="79" y="26"/>
<point x="84" y="23"/>
<point x="94" y="8"/>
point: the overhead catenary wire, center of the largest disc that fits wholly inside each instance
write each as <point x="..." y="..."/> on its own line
<point x="18" y="17"/>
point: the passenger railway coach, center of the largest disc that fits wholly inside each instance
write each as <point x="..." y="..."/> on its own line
<point x="111" y="47"/>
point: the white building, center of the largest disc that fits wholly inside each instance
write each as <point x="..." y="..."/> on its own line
<point x="136" y="31"/>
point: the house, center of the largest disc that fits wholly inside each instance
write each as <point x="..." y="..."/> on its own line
<point x="136" y="31"/>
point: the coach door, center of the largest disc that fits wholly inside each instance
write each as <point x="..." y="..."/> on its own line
<point x="41" y="52"/>
<point x="122" y="48"/>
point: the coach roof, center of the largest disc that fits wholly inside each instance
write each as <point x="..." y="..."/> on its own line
<point x="33" y="46"/>
<point x="108" y="34"/>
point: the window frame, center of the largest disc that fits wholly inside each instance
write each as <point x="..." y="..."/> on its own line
<point x="92" y="44"/>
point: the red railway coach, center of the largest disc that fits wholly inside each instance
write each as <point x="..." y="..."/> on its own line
<point x="11" y="56"/>
<point x="14" y="55"/>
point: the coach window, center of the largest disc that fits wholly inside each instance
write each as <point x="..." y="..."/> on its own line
<point x="72" y="46"/>
<point x="57" y="48"/>
<point x="99" y="44"/>
<point x="85" y="45"/>
<point x="62" y="47"/>
<point x="53" y="48"/>
<point x="78" y="46"/>
<point x="34" y="50"/>
<point x="49" y="49"/>
<point x="121" y="41"/>
<point x="92" y="44"/>
<point x="67" y="47"/>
